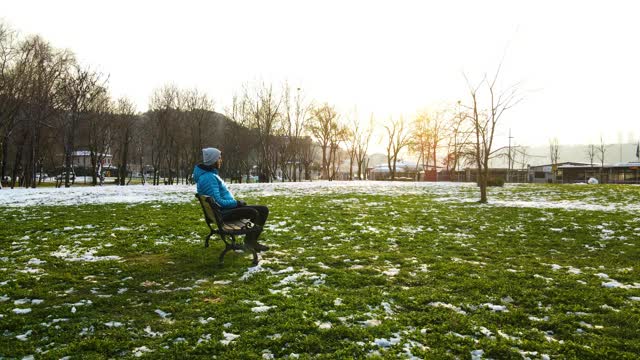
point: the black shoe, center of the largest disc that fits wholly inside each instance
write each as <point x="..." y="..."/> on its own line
<point x="260" y="248"/>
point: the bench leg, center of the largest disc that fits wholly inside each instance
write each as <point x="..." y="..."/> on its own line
<point x="227" y="247"/>
<point x="255" y="257"/>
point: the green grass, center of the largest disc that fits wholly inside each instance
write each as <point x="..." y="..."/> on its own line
<point x="372" y="266"/>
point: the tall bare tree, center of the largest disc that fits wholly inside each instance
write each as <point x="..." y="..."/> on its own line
<point x="12" y="86"/>
<point x="353" y="135"/>
<point x="297" y="110"/>
<point x="80" y="88"/>
<point x="162" y="115"/>
<point x="484" y="120"/>
<point x="554" y="156"/>
<point x="398" y="137"/>
<point x="602" y="151"/>
<point x="324" y="126"/>
<point x="48" y="69"/>
<point x="265" y="107"/>
<point x="362" y="148"/>
<point x="124" y="132"/>
<point x="591" y="153"/>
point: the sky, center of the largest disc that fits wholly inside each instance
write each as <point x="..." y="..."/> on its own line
<point x="576" y="63"/>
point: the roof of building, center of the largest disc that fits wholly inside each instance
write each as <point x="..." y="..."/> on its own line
<point x="605" y="166"/>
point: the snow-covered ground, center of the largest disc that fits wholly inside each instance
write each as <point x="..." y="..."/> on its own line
<point x="528" y="196"/>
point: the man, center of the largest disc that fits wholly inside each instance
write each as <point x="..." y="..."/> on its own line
<point x="211" y="184"/>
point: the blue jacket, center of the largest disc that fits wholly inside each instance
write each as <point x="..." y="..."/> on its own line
<point x="210" y="184"/>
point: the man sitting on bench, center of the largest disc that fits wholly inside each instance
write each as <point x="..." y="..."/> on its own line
<point x="211" y="184"/>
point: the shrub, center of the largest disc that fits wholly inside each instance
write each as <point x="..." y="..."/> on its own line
<point x="495" y="182"/>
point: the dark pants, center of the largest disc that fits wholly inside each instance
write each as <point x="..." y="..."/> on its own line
<point x="256" y="213"/>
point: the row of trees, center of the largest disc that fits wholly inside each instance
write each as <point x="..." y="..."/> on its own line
<point x="44" y="94"/>
<point x="51" y="106"/>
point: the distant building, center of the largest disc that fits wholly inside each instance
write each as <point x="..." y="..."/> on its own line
<point x="405" y="170"/>
<point x="621" y="173"/>
<point x="549" y="173"/>
<point x="82" y="159"/>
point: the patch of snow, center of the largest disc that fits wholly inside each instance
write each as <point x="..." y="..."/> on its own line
<point x="323" y="325"/>
<point x="205" y="321"/>
<point x="151" y="333"/>
<point x="35" y="261"/>
<point x="477" y="354"/>
<point x="87" y="256"/>
<point x="228" y="337"/>
<point x="139" y="351"/>
<point x="162" y="314"/>
<point x="371" y="323"/>
<point x="252" y="271"/>
<point x="113" y="324"/>
<point x="261" y="309"/>
<point x="495" y="308"/>
<point x="448" y="306"/>
<point x="25" y="336"/>
<point x="616" y="284"/>
<point x="391" y="272"/>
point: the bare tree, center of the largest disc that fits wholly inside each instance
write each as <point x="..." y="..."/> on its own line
<point x="238" y="139"/>
<point x="324" y="126"/>
<point x="101" y="126"/>
<point x="591" y="153"/>
<point x="199" y="111"/>
<point x="307" y="155"/>
<point x="458" y="135"/>
<point x="12" y="86"/>
<point x="554" y="155"/>
<point x="398" y="137"/>
<point x="162" y="113"/>
<point x="125" y="121"/>
<point x="362" y="148"/>
<point x="602" y="151"/>
<point x="484" y="122"/>
<point x="265" y="108"/>
<point x="297" y="118"/>
<point x="48" y="69"/>
<point x="421" y="139"/>
<point x="80" y="88"/>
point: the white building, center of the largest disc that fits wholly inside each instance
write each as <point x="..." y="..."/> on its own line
<point x="82" y="159"/>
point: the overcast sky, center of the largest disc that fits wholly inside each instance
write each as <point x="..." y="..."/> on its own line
<point x="577" y="62"/>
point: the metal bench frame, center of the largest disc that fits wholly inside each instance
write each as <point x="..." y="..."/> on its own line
<point x="213" y="215"/>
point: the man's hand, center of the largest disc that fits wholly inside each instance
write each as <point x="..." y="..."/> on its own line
<point x="241" y="203"/>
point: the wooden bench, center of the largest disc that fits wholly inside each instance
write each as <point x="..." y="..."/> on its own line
<point x="213" y="215"/>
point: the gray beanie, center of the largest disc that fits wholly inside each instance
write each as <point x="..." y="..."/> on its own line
<point x="210" y="155"/>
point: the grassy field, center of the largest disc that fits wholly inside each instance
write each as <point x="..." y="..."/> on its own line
<point x="411" y="272"/>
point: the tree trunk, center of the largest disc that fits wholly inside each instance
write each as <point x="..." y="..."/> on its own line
<point x="123" y="160"/>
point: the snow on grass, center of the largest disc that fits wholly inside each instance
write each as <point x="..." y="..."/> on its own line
<point x="323" y="325"/>
<point x="261" y="309"/>
<point x="139" y="351"/>
<point x="450" y="250"/>
<point x="87" y="255"/>
<point x="228" y="338"/>
<point x="448" y="306"/>
<point x="617" y="284"/>
<point x="477" y="354"/>
<point x="441" y="191"/>
<point x="495" y="308"/>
